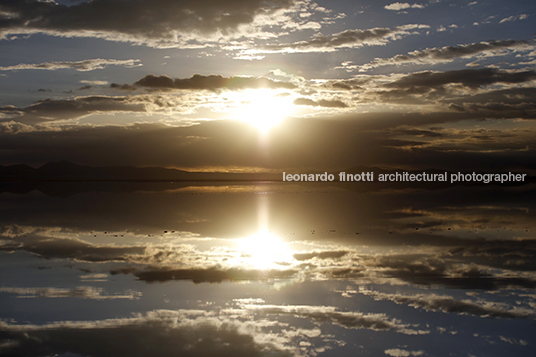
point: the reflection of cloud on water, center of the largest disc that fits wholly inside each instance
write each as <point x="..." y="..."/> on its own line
<point x="471" y="264"/>
<point x="448" y="304"/>
<point x="158" y="333"/>
<point x="333" y="268"/>
<point x="330" y="314"/>
<point x="395" y="290"/>
<point x="208" y="275"/>
<point x="246" y="328"/>
<point x="466" y="221"/>
<point x="68" y="248"/>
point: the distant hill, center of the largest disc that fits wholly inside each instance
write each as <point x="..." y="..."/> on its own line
<point x="67" y="171"/>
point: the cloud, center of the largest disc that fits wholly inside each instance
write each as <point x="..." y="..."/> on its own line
<point x="441" y="89"/>
<point x="397" y="352"/>
<point x="158" y="23"/>
<point x="397" y="6"/>
<point x="514" y="18"/>
<point x="345" y="39"/>
<point x="210" y="82"/>
<point x="228" y="143"/>
<point x="94" y="83"/>
<point x="450" y="53"/>
<point x="49" y="110"/>
<point x="83" y="66"/>
<point x="320" y="103"/>
<point x="513" y="341"/>
<point x="81" y="292"/>
<point x="188" y="333"/>
<point x="14" y="127"/>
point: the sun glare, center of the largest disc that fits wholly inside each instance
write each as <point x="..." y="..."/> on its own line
<point x="265" y="250"/>
<point x="263" y="108"/>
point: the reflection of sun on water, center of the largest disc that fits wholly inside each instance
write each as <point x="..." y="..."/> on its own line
<point x="263" y="109"/>
<point x="265" y="250"/>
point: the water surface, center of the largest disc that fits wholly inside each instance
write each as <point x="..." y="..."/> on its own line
<point x="250" y="269"/>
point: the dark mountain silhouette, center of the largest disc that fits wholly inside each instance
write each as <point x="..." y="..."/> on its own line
<point x="67" y="171"/>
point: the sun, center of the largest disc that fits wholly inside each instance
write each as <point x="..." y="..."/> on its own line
<point x="263" y="108"/>
<point x="265" y="250"/>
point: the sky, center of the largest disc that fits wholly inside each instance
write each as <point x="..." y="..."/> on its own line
<point x="267" y="268"/>
<point x="268" y="85"/>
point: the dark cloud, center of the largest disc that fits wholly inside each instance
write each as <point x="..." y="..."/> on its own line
<point x="321" y="255"/>
<point x="208" y="275"/>
<point x="450" y="53"/>
<point x="210" y="82"/>
<point x="520" y="110"/>
<point x="417" y="132"/>
<point x="124" y="87"/>
<point x="429" y="271"/>
<point x="51" y="109"/>
<point x="156" y="22"/>
<point x="350" y="84"/>
<point x="457" y="87"/>
<point x="471" y="78"/>
<point x="519" y="255"/>
<point x="513" y="97"/>
<point x="321" y="103"/>
<point x="500" y="248"/>
<point x="50" y="247"/>
<point x="159" y="333"/>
